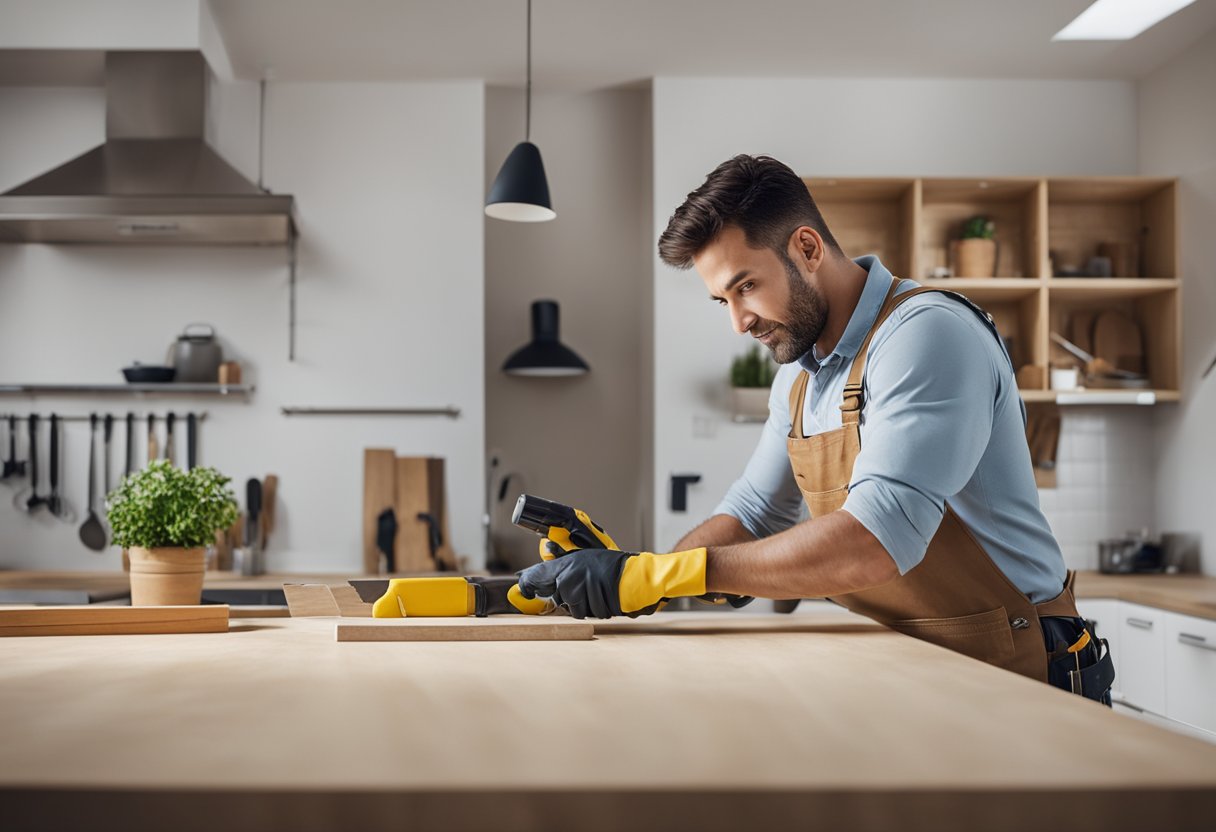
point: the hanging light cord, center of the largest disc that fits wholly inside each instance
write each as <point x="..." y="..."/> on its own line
<point x="528" y="95"/>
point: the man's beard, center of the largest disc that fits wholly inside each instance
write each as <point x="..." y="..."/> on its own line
<point x="806" y="315"/>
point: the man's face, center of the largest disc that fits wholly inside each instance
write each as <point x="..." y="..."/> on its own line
<point x="770" y="297"/>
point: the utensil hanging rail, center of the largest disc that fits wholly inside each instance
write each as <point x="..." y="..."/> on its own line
<point x="199" y="415"/>
<point x="449" y="411"/>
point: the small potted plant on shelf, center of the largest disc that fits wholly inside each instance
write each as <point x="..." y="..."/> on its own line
<point x="975" y="254"/>
<point x="751" y="376"/>
<point x="166" y="517"/>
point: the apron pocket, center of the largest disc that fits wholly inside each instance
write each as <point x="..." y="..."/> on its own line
<point x="986" y="636"/>
<point x="824" y="502"/>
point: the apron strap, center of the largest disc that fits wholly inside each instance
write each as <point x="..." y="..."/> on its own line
<point x="853" y="398"/>
<point x="797" y="402"/>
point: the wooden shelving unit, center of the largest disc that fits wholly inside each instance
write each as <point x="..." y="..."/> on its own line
<point x="1044" y="226"/>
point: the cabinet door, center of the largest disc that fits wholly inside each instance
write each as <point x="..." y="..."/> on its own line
<point x="1104" y="613"/>
<point x="1190" y="666"/>
<point x="1142" y="643"/>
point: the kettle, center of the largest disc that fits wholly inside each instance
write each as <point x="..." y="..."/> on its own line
<point x="196" y="355"/>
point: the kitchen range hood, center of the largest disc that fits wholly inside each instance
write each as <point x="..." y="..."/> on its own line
<point x="155" y="180"/>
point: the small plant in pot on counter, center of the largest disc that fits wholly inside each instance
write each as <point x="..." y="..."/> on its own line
<point x="975" y="254"/>
<point x="166" y="517"/>
<point x="751" y="376"/>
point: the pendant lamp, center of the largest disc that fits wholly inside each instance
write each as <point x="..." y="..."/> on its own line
<point x="521" y="192"/>
<point x="545" y="355"/>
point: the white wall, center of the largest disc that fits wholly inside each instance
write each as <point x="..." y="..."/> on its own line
<point x="886" y="127"/>
<point x="389" y="184"/>
<point x="1178" y="138"/>
<point x="577" y="440"/>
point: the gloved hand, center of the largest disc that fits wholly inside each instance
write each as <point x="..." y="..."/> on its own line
<point x="602" y="583"/>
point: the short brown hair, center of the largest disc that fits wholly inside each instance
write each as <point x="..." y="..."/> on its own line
<point x="760" y="195"/>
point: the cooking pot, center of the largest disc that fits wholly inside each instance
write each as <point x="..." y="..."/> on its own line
<point x="196" y="355"/>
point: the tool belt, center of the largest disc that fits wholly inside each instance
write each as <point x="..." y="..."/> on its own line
<point x="1077" y="660"/>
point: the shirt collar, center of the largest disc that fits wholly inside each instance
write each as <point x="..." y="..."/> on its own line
<point x="878" y="281"/>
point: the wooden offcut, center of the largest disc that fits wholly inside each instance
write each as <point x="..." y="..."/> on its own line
<point x="94" y="620"/>
<point x="492" y="628"/>
<point x="413" y="547"/>
<point x="379" y="493"/>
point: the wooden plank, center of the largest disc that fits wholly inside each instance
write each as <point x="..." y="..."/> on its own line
<point x="95" y="620"/>
<point x="379" y="493"/>
<point x="413" y="547"/>
<point x="350" y="605"/>
<point x="493" y="628"/>
<point x="308" y="600"/>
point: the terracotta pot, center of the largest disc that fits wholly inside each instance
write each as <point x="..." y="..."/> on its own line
<point x="168" y="576"/>
<point x="750" y="403"/>
<point x="975" y="257"/>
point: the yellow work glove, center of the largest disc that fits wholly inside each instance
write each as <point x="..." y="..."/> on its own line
<point x="603" y="583"/>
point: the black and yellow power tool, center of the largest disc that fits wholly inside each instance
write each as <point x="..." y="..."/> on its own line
<point x="566" y="528"/>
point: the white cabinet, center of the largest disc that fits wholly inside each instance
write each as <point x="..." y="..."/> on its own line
<point x="1190" y="659"/>
<point x="1104" y="613"/>
<point x="1142" y="645"/>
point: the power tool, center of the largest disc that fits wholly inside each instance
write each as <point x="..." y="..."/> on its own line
<point x="448" y="597"/>
<point x="571" y="528"/>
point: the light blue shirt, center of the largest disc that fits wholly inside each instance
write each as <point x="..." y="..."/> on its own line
<point x="942" y="424"/>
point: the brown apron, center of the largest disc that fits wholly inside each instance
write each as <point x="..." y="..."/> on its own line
<point x="956" y="597"/>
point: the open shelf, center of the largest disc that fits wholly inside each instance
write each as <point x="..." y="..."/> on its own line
<point x="1016" y="206"/>
<point x="1131" y="219"/>
<point x="167" y="389"/>
<point x="871" y="216"/>
<point x="909" y="223"/>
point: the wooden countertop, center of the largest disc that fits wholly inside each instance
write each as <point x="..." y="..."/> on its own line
<point x="1186" y="594"/>
<point x="681" y="720"/>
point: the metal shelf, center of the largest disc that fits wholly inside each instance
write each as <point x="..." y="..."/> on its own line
<point x="449" y="411"/>
<point x="166" y="389"/>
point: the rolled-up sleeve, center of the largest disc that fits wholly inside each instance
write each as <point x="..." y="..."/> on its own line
<point x="766" y="499"/>
<point x="931" y="389"/>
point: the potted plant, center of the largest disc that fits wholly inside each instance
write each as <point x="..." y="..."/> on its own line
<point x="975" y="254"/>
<point x="166" y="517"/>
<point x="751" y="376"/>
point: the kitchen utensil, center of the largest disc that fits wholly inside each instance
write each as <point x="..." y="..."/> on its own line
<point x="196" y="355"/>
<point x="92" y="533"/>
<point x="107" y="432"/>
<point x="1132" y="553"/>
<point x="148" y="374"/>
<point x="1117" y="339"/>
<point x="28" y="499"/>
<point x="153" y="450"/>
<point x="191" y="440"/>
<point x="169" y="443"/>
<point x="253" y="508"/>
<point x="56" y="502"/>
<point x="13" y="468"/>
<point x="130" y="462"/>
<point x="270" y="490"/>
<point x="1093" y="366"/>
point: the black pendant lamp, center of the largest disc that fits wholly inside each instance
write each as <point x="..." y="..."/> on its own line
<point x="521" y="191"/>
<point x="545" y="355"/>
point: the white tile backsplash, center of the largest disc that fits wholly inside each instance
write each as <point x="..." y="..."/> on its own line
<point x="1104" y="479"/>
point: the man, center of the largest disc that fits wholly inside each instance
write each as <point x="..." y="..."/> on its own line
<point x="895" y="416"/>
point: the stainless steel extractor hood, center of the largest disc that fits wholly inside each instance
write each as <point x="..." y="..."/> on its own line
<point x="155" y="180"/>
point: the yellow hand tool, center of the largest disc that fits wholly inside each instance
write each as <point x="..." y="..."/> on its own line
<point x="566" y="527"/>
<point x="448" y="597"/>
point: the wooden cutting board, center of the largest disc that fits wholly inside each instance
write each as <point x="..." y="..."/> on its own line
<point x="100" y="621"/>
<point x="492" y="628"/>
<point x="1117" y="339"/>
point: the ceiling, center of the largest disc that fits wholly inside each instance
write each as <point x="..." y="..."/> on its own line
<point x="593" y="44"/>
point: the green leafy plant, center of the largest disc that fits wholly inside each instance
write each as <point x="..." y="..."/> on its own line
<point x="979" y="227"/>
<point x="165" y="506"/>
<point x="752" y="370"/>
